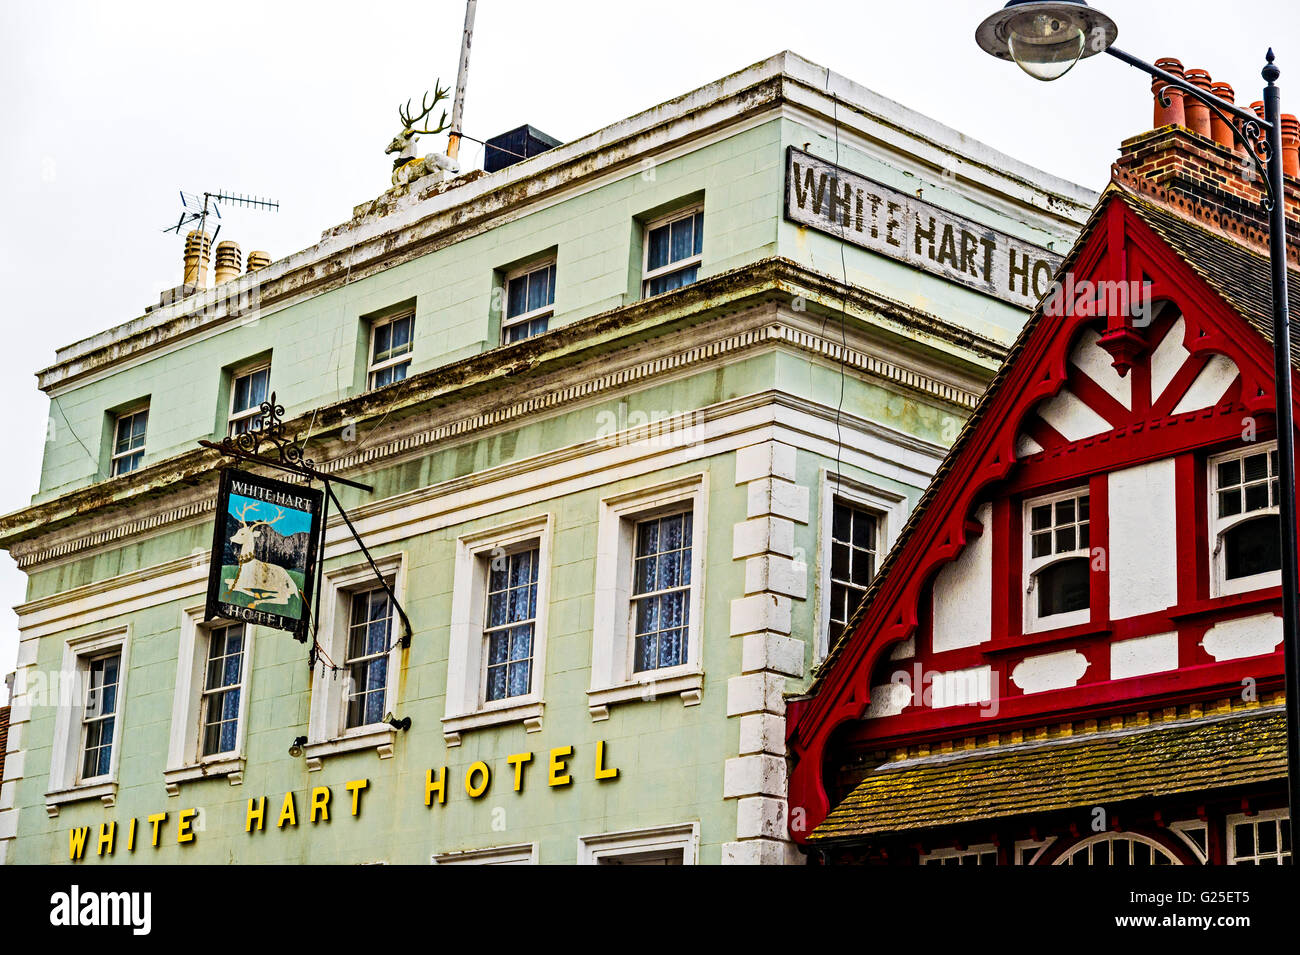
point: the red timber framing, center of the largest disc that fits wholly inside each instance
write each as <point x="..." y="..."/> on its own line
<point x="984" y="468"/>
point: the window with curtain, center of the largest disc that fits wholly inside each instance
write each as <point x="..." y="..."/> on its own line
<point x="390" y="349"/>
<point x="510" y="623"/>
<point x="248" y="389"/>
<point x="661" y="591"/>
<point x="366" y="662"/>
<point x="530" y="302"/>
<point x="222" y="685"/>
<point x="128" y="441"/>
<point x="673" y="251"/>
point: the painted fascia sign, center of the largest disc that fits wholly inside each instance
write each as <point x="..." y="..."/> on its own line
<point x="264" y="543"/>
<point x="868" y="214"/>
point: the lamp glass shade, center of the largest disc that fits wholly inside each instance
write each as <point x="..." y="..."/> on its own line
<point x="1045" y="38"/>
<point x="1045" y="45"/>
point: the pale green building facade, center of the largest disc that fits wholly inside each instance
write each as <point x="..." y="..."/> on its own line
<point x="793" y="368"/>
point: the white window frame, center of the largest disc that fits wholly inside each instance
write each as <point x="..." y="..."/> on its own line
<point x="952" y="856"/>
<point x="1267" y="815"/>
<point x="1220" y="585"/>
<point x="1029" y="851"/>
<point x="1035" y="565"/>
<point x="1184" y="830"/>
<point x="546" y="311"/>
<point x="65" y="766"/>
<point x="233" y="417"/>
<point x="524" y="853"/>
<point x="184" y="762"/>
<point x="115" y="457"/>
<point x="373" y="367"/>
<point x="466" y="707"/>
<point x="1109" y="839"/>
<point x="612" y="677"/>
<point x="891" y="514"/>
<point x="632" y="842"/>
<point x="326" y="732"/>
<point x="695" y="259"/>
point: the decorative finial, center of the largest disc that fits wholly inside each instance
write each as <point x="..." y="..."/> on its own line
<point x="1270" y="72"/>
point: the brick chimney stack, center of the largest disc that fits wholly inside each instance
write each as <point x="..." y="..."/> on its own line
<point x="1190" y="160"/>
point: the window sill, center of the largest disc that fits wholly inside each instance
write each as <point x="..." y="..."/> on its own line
<point x="379" y="737"/>
<point x="528" y="712"/>
<point x="1249" y="599"/>
<point x="1047" y="637"/>
<point x="688" y="684"/>
<point x="230" y="767"/>
<point x="1046" y="626"/>
<point x="105" y="791"/>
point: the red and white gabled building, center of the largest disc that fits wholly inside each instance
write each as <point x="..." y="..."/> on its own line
<point x="1073" y="654"/>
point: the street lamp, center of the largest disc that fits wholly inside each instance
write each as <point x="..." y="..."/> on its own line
<point x="1046" y="39"/>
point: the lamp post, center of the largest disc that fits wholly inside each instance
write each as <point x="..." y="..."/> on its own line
<point x="1046" y="39"/>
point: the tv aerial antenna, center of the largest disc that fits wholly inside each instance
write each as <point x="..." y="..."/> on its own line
<point x="196" y="207"/>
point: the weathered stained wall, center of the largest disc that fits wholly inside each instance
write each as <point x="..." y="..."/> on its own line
<point x="671" y="757"/>
<point x="783" y="388"/>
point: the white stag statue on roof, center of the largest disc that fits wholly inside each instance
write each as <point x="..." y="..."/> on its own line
<point x="407" y="166"/>
<point x="264" y="582"/>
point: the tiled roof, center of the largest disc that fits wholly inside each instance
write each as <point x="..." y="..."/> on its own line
<point x="1238" y="273"/>
<point x="1162" y="759"/>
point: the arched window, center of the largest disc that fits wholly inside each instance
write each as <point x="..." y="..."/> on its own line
<point x="1063" y="587"/>
<point x="1118" y="849"/>
<point x="1245" y="534"/>
<point x="1056" y="560"/>
<point x="1252" y="547"/>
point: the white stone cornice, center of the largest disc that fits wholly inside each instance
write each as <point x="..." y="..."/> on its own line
<point x="784" y="85"/>
<point x="560" y="392"/>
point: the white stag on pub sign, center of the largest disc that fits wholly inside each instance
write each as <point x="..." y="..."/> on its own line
<point x="257" y="578"/>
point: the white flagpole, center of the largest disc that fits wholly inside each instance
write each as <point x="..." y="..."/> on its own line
<point x="458" y="105"/>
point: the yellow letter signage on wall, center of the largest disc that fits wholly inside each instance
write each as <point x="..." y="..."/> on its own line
<point x="561" y="761"/>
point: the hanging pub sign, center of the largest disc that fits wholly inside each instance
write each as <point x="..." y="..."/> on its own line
<point x="861" y="211"/>
<point x="264" y="546"/>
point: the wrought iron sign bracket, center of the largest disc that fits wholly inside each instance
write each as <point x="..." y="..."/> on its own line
<point x="266" y="433"/>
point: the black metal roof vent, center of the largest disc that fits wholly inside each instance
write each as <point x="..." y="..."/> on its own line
<point x="516" y="146"/>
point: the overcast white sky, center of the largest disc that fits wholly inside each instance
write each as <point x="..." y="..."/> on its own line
<point x="109" y="109"/>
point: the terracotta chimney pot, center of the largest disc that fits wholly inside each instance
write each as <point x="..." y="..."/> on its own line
<point x="228" y="262"/>
<point x="258" y="260"/>
<point x="1197" y="113"/>
<point x="1171" y="115"/>
<point x="1220" y="130"/>
<point x="197" y="252"/>
<point x="1290" y="145"/>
